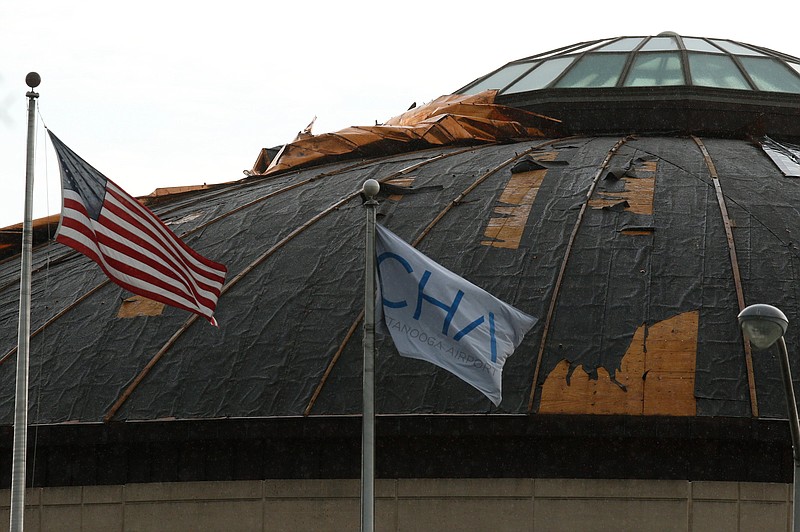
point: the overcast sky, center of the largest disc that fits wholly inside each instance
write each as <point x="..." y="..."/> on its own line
<point x="168" y="93"/>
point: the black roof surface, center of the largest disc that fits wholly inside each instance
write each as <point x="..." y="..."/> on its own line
<point x="293" y="245"/>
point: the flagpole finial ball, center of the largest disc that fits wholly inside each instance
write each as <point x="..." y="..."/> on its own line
<point x="33" y="79"/>
<point x="371" y="188"/>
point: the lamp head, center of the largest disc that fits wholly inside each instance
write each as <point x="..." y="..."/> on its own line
<point x="371" y="188"/>
<point x="762" y="325"/>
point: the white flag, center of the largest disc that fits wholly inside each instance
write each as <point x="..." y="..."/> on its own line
<point x="437" y="316"/>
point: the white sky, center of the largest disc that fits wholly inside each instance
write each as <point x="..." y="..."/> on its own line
<point x="168" y="93"/>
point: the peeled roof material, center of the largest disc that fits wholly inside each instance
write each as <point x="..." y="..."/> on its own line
<point x="447" y="120"/>
<point x="785" y="156"/>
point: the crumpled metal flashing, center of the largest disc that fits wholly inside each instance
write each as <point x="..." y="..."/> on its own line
<point x="447" y="120"/>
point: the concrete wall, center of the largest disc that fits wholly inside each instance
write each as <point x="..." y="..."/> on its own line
<point x="424" y="504"/>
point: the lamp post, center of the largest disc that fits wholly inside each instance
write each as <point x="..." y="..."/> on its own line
<point x="370" y="189"/>
<point x="763" y="325"/>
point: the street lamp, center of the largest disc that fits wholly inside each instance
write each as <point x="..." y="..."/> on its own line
<point x="763" y="325"/>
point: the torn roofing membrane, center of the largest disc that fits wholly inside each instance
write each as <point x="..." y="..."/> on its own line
<point x="786" y="156"/>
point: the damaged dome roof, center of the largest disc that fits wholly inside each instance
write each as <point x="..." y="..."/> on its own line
<point x="619" y="245"/>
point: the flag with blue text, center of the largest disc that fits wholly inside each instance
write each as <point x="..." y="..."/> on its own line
<point x="434" y="315"/>
<point x="132" y="245"/>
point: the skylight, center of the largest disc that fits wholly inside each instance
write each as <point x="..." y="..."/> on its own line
<point x="665" y="60"/>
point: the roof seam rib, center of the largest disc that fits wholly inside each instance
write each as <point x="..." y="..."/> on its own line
<point x="737" y="278"/>
<point x="562" y="270"/>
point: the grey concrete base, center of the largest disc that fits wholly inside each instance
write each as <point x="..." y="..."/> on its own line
<point x="414" y="505"/>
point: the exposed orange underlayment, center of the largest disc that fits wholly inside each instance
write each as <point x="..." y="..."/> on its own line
<point x="657" y="371"/>
<point x="638" y="191"/>
<point x="139" y="306"/>
<point x="505" y="229"/>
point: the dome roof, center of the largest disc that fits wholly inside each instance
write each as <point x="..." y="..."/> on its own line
<point x="647" y="287"/>
<point x="635" y="250"/>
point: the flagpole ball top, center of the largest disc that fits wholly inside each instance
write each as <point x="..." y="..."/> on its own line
<point x="33" y="79"/>
<point x="371" y="188"/>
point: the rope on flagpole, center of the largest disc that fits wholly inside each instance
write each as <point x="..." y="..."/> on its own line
<point x="40" y="377"/>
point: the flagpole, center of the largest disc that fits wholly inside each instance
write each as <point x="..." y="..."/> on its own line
<point x="24" y="332"/>
<point x="370" y="189"/>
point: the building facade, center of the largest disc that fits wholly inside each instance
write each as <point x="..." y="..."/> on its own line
<point x="631" y="193"/>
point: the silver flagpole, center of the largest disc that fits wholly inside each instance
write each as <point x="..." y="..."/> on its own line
<point x="24" y="333"/>
<point x="370" y="190"/>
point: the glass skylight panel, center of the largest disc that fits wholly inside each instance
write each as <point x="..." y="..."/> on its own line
<point x="795" y="66"/>
<point x="625" y="44"/>
<point x="735" y="48"/>
<point x="716" y="71"/>
<point x="771" y="75"/>
<point x="655" y="69"/>
<point x="657" y="44"/>
<point x="501" y="78"/>
<point x="541" y="76"/>
<point x="700" y="45"/>
<point x="594" y="70"/>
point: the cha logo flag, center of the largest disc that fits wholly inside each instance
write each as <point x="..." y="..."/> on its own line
<point x="433" y="314"/>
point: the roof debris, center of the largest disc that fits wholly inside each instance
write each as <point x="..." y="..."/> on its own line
<point x="447" y="120"/>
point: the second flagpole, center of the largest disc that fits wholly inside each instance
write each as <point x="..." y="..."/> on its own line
<point x="370" y="189"/>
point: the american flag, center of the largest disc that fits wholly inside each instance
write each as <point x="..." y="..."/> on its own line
<point x="130" y="243"/>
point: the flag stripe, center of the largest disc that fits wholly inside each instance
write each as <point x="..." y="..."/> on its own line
<point x="78" y="240"/>
<point x="132" y="245"/>
<point x="133" y="206"/>
<point x="119" y="267"/>
<point x="133" y="284"/>
<point x="110" y="224"/>
<point x="118" y="206"/>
